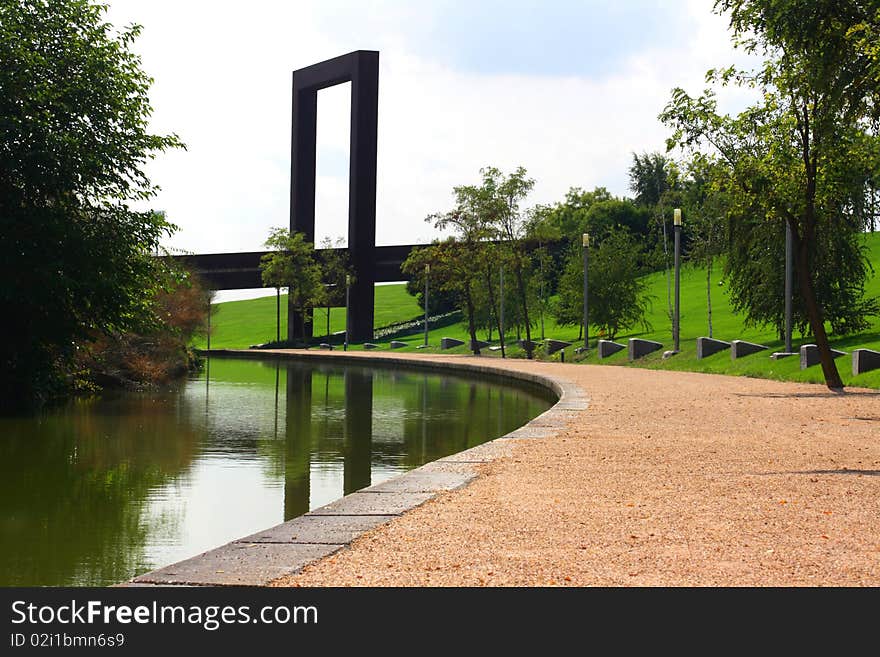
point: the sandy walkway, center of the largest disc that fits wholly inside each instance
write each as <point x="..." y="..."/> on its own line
<point x="668" y="479"/>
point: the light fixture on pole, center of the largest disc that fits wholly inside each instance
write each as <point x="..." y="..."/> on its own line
<point x="427" y="275"/>
<point x="501" y="301"/>
<point x="789" y="276"/>
<point x="585" y="241"/>
<point x="347" y="302"/>
<point x="676" y="321"/>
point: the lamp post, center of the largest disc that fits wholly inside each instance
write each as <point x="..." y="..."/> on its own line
<point x="427" y="274"/>
<point x="789" y="272"/>
<point x="676" y="321"/>
<point x="585" y="240"/>
<point x="209" y="328"/>
<point x="501" y="301"/>
<point x="347" y="301"/>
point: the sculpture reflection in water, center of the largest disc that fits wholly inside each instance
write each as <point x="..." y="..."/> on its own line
<point x="97" y="491"/>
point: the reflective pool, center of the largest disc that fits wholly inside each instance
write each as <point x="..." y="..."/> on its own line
<point x="100" y="490"/>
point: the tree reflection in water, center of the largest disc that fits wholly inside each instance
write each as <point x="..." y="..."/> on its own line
<point x="100" y="490"/>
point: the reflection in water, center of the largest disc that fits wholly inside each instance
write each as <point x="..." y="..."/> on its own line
<point x="100" y="490"/>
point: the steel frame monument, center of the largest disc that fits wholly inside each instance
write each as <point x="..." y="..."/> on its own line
<point x="361" y="68"/>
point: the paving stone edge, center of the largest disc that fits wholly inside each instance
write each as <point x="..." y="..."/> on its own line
<point x="333" y="527"/>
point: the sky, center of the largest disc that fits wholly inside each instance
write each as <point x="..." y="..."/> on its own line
<point x="568" y="90"/>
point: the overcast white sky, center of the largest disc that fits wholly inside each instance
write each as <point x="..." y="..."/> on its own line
<point x="568" y="90"/>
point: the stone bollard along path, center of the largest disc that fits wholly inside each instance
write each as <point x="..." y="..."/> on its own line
<point x="667" y="478"/>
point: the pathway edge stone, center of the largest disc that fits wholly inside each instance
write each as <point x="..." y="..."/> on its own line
<point x="333" y="527"/>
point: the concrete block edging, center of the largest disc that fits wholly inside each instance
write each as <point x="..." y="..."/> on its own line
<point x="287" y="548"/>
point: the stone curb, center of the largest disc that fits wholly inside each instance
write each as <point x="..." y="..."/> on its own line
<point x="287" y="548"/>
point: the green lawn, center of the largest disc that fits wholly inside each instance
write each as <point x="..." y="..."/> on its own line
<point x="239" y="324"/>
<point x="242" y="323"/>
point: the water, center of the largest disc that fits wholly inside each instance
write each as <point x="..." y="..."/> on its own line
<point x="98" y="491"/>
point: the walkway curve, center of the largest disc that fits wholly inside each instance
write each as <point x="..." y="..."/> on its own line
<point x="667" y="478"/>
<point x="287" y="548"/>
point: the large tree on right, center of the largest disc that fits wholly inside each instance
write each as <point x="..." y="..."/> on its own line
<point x="806" y="154"/>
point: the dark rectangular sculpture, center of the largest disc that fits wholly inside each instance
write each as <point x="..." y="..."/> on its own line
<point x="361" y="68"/>
<point x="478" y="344"/>
<point x="608" y="348"/>
<point x="865" y="360"/>
<point x="740" y="348"/>
<point x="449" y="343"/>
<point x="810" y="355"/>
<point x="397" y="344"/>
<point x="639" y="347"/>
<point x="709" y="346"/>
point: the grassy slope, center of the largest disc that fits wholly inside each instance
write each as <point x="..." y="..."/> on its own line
<point x="393" y="304"/>
<point x="239" y="324"/>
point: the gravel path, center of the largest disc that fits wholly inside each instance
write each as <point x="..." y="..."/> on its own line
<point x="670" y="478"/>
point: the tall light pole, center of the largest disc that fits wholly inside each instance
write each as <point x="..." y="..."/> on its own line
<point x="676" y="321"/>
<point x="501" y="301"/>
<point x="277" y="314"/>
<point x="347" y="302"/>
<point x="427" y="274"/>
<point x="209" y="326"/>
<point x="585" y="240"/>
<point x="789" y="273"/>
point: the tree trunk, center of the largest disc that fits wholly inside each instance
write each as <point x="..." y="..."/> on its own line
<point x="709" y="292"/>
<point x="814" y="314"/>
<point x="472" y="327"/>
<point x="493" y="307"/>
<point x="525" y="307"/>
<point x="302" y="316"/>
<point x="666" y="266"/>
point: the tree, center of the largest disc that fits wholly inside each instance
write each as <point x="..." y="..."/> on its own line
<point x="505" y="194"/>
<point x="75" y="258"/>
<point x="568" y="217"/>
<point x="704" y="211"/>
<point x="472" y="219"/>
<point x="654" y="178"/>
<point x="650" y="177"/>
<point x="569" y="307"/>
<point x="454" y="271"/>
<point x="292" y="264"/>
<point x="617" y="290"/>
<point x="131" y="359"/>
<point x="604" y="216"/>
<point x="803" y="154"/>
<point x="335" y="270"/>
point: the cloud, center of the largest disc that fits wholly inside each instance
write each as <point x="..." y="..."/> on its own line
<point x="222" y="74"/>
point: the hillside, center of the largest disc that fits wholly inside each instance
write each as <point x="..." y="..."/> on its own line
<point x="238" y="324"/>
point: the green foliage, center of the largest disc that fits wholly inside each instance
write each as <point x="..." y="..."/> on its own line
<point x="439" y="300"/>
<point x="511" y="226"/>
<point x="453" y="270"/>
<point x="569" y="307"/>
<point x="805" y="155"/>
<point x="75" y="258"/>
<point x="241" y="323"/>
<point x="617" y="298"/>
<point x="605" y="217"/>
<point x="651" y="175"/>
<point x="335" y="267"/>
<point x="158" y="354"/>
<point x="292" y="263"/>
<point x="568" y="218"/>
